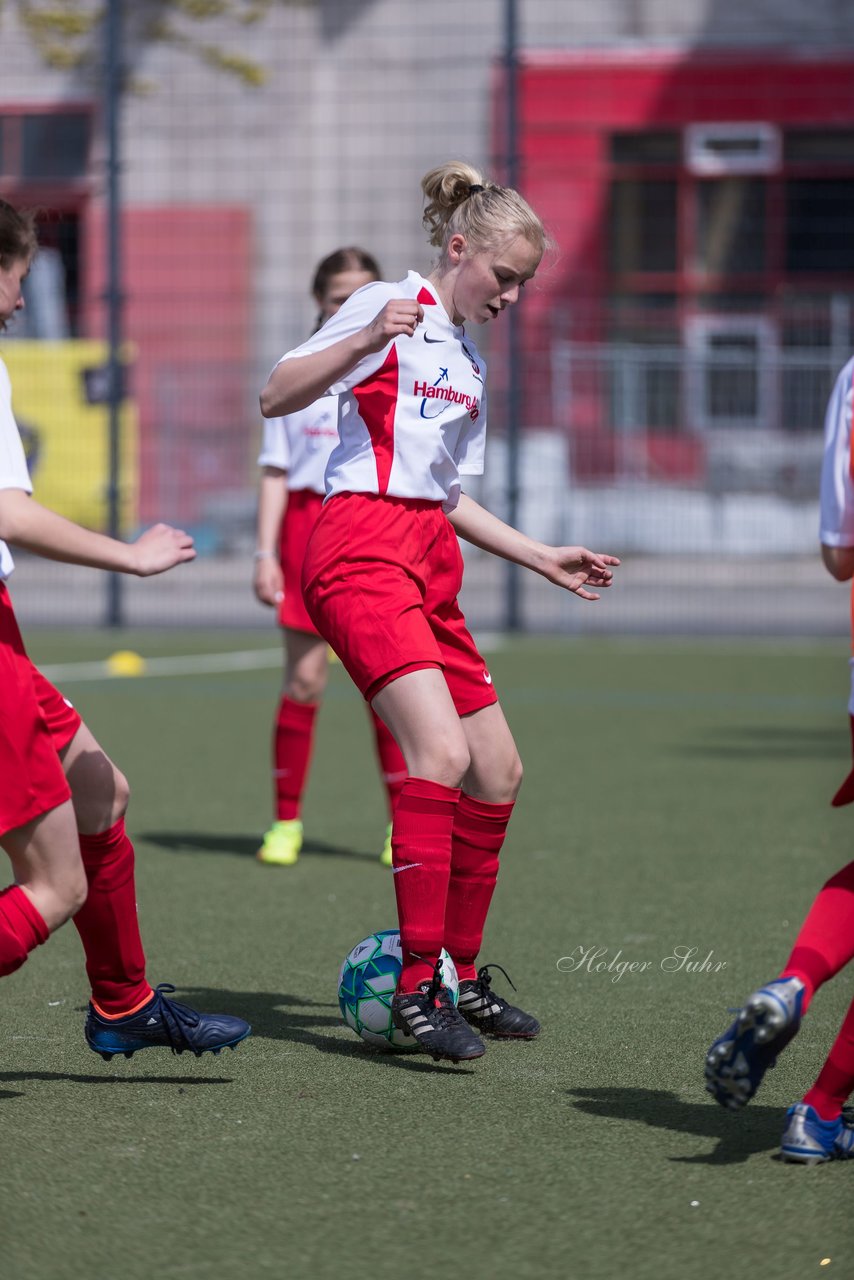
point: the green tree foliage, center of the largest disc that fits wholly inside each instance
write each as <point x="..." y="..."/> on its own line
<point x="66" y="33"/>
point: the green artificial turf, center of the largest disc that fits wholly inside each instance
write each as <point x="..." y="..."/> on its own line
<point x="676" y="796"/>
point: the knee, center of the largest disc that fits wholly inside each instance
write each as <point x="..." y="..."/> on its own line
<point x="498" y="782"/>
<point x="446" y="763"/>
<point x="506" y="782"/>
<point x="101" y="800"/>
<point x="121" y="795"/>
<point x="515" y="775"/>
<point x="300" y="687"/>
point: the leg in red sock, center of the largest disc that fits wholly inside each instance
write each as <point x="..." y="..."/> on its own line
<point x="22" y="929"/>
<point x="835" y="1082"/>
<point x="392" y="764"/>
<point x="108" y="924"/>
<point x="293" y="739"/>
<point x="421" y="847"/>
<point x="825" y="943"/>
<point x="479" y="831"/>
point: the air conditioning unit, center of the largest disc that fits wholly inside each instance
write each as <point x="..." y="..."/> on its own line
<point x="714" y="150"/>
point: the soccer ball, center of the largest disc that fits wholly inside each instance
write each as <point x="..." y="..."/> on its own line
<point x="366" y="983"/>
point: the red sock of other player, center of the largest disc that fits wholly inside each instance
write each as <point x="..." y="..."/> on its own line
<point x="835" y="1082"/>
<point x="293" y="739"/>
<point x="391" y="760"/>
<point x="108" y="925"/>
<point x="825" y="943"/>
<point x="479" y="831"/>
<point x="22" y="929"/>
<point x="421" y="852"/>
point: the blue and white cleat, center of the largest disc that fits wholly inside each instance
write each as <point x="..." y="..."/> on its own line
<point x="810" y="1140"/>
<point x="738" y="1060"/>
<point x="163" y="1023"/>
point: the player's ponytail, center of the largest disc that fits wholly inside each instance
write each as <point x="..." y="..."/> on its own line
<point x="460" y="200"/>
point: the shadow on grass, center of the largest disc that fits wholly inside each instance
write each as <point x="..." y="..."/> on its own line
<point x="765" y="741"/>
<point x="71" y="1077"/>
<point x="290" y="1018"/>
<point x="241" y="846"/>
<point x="738" y="1136"/>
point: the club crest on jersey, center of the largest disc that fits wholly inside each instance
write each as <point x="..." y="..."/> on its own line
<point x="436" y="398"/>
<point x="475" y="366"/>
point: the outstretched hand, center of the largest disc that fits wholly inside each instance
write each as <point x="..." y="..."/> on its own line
<point x="575" y="569"/>
<point x="160" y="548"/>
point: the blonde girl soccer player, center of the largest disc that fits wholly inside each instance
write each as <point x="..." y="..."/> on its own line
<point x="62" y="800"/>
<point x="293" y="459"/>
<point x="816" y="1129"/>
<point x="383" y="570"/>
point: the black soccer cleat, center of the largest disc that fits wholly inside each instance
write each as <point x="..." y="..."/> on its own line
<point x="163" y="1023"/>
<point x="429" y="1014"/>
<point x="491" y="1013"/>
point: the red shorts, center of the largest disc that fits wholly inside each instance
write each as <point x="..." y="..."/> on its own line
<point x="304" y="506"/>
<point x="36" y="722"/>
<point x="380" y="581"/>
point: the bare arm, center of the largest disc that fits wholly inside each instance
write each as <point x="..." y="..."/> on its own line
<point x="272" y="496"/>
<point x="838" y="561"/>
<point x="295" y="384"/>
<point x="573" y="568"/>
<point x="26" y="523"/>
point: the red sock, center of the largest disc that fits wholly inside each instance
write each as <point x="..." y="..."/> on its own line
<point x="421" y="864"/>
<point x="21" y="929"/>
<point x="825" y="943"/>
<point x="479" y="830"/>
<point x="293" y="739"/>
<point x="107" y="922"/>
<point x="391" y="760"/>
<point x="836" y="1078"/>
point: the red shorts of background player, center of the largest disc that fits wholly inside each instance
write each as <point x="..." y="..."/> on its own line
<point x="36" y="723"/>
<point x="380" y="581"/>
<point x="301" y="512"/>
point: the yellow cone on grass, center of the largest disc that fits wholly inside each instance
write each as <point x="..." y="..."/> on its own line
<point x="124" y="662"/>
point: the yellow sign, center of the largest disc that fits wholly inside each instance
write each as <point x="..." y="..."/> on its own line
<point x="57" y="399"/>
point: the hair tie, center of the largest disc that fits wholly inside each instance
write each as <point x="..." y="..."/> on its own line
<point x="475" y="186"/>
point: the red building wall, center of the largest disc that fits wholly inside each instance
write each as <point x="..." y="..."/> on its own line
<point x="187" y="273"/>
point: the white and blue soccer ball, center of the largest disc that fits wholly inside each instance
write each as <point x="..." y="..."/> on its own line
<point x="366" y="983"/>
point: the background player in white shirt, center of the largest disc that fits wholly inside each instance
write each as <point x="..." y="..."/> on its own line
<point x="383" y="570"/>
<point x="816" y="1129"/>
<point x="62" y="800"/>
<point x="293" y="462"/>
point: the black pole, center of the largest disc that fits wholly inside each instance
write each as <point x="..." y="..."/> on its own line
<point x="113" y="293"/>
<point x="512" y="617"/>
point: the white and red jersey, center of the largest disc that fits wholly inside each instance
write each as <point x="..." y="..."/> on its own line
<point x="14" y="473"/>
<point x="300" y="443"/>
<point x="411" y="417"/>
<point x="837" y="472"/>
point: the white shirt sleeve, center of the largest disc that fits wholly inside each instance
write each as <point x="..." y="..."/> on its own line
<point x="837" y="485"/>
<point x="471" y="451"/>
<point x="13" y="463"/>
<point x="359" y="310"/>
<point x="275" y="451"/>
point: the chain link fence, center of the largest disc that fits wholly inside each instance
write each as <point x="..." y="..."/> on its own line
<point x="676" y="353"/>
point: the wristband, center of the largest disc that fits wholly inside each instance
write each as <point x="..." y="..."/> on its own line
<point x="263" y="555"/>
